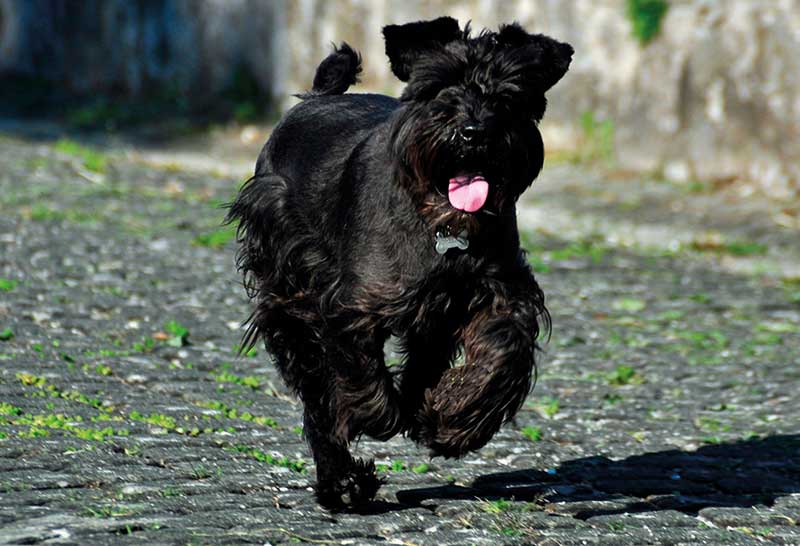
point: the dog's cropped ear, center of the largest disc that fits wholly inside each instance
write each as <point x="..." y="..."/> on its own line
<point x="550" y="57"/>
<point x="405" y="43"/>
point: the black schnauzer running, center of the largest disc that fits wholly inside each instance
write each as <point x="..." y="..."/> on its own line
<point x="370" y="216"/>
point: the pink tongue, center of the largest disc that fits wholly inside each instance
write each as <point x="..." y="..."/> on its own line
<point x="468" y="193"/>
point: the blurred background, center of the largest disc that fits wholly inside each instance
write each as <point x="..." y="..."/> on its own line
<point x="688" y="89"/>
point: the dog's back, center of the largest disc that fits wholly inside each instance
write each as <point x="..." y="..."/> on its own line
<point x="325" y="128"/>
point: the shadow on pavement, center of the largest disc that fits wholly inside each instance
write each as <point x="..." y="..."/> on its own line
<point x="742" y="474"/>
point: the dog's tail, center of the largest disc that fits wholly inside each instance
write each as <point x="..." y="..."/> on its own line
<point x="336" y="72"/>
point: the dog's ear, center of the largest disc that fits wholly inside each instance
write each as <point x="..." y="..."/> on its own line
<point x="405" y="43"/>
<point x="549" y="57"/>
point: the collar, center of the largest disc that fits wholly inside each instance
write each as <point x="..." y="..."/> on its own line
<point x="445" y="241"/>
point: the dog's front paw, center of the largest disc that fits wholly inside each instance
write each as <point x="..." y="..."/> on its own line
<point x="458" y="417"/>
<point x="351" y="490"/>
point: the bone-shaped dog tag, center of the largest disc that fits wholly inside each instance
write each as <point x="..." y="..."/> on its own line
<point x="446" y="242"/>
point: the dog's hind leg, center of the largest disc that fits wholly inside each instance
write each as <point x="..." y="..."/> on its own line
<point x="304" y="363"/>
<point x="471" y="402"/>
<point x="342" y="481"/>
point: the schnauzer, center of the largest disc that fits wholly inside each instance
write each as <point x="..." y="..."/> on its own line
<point x="370" y="216"/>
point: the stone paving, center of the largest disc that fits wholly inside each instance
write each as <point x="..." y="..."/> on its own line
<point x="666" y="410"/>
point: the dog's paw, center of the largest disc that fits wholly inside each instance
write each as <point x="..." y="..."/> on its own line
<point x="350" y="491"/>
<point x="451" y="421"/>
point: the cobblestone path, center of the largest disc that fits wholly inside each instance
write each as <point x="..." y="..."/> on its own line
<point x="666" y="411"/>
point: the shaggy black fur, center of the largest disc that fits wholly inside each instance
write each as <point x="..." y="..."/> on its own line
<point x="337" y="231"/>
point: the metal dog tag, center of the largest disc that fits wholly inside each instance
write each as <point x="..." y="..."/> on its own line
<point x="446" y="242"/>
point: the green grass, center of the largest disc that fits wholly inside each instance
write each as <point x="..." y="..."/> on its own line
<point x="630" y="305"/>
<point x="31" y="380"/>
<point x="245" y="381"/>
<point x="401" y="466"/>
<point x="645" y="17"/>
<point x="778" y="327"/>
<point x="8" y="409"/>
<point x="534" y="434"/>
<point x="497" y="506"/>
<point x="791" y="287"/>
<point x="701" y="297"/>
<point x="7" y="334"/>
<point x="234" y="413"/>
<point x="624" y="375"/>
<point x="590" y="247"/>
<point x="587" y="248"/>
<point x="548" y="407"/>
<point x="598" y="139"/>
<point x="710" y="424"/>
<point x="156" y="419"/>
<point x="249" y="353"/>
<point x="179" y="335"/>
<point x="297" y="465"/>
<point x="92" y="160"/>
<point x="711" y="339"/>
<point x="40" y="425"/>
<point x="146" y="345"/>
<point x="45" y="213"/>
<point x="7" y="285"/>
<point x="217" y="238"/>
<point x="102" y="369"/>
<point x="740" y="248"/>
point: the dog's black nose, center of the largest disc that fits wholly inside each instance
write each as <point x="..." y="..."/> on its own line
<point x="470" y="131"/>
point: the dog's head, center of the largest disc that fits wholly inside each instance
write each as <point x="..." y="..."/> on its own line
<point x="466" y="134"/>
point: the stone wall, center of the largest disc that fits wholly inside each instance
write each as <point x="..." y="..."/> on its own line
<point x="716" y="94"/>
<point x="136" y="47"/>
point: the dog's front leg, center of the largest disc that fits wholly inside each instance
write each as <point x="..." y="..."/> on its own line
<point x="471" y="402"/>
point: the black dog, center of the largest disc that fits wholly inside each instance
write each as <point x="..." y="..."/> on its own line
<point x="369" y="216"/>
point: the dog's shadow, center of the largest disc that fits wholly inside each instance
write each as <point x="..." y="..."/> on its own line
<point x="742" y="474"/>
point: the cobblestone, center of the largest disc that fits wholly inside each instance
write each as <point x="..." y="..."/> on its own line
<point x="666" y="409"/>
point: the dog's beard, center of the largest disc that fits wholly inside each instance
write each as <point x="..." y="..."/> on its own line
<point x="458" y="187"/>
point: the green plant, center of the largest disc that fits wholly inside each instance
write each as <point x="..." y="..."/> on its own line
<point x="245" y="381"/>
<point x="624" y="375"/>
<point x="496" y="506"/>
<point x="421" y="468"/>
<point x="92" y="160"/>
<point x="298" y="465"/>
<point x="7" y="285"/>
<point x="598" y="138"/>
<point x="548" y="407"/>
<point x="534" y="434"/>
<point x="179" y="335"/>
<point x="155" y="419"/>
<point x="217" y="238"/>
<point x="645" y="17"/>
<point x="631" y="305"/>
<point x="102" y="369"/>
